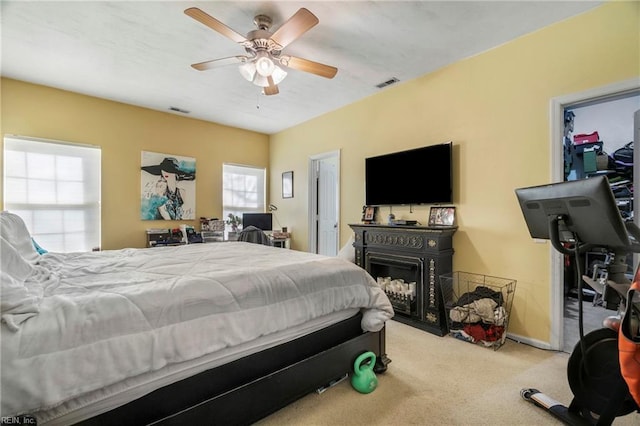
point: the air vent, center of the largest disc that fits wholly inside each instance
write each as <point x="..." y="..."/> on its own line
<point x="389" y="82"/>
<point x="180" y="110"/>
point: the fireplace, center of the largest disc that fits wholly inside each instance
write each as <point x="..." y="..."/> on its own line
<point x="407" y="262"/>
<point x="399" y="277"/>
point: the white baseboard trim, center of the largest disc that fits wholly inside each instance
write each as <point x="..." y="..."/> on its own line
<point x="529" y="341"/>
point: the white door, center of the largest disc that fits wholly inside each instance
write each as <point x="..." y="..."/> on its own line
<point x="324" y="204"/>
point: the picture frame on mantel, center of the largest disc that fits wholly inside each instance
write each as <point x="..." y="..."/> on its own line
<point x="442" y="216"/>
<point x="287" y="184"/>
<point x="368" y="214"/>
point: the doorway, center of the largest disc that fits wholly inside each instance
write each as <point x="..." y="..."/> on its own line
<point x="324" y="203"/>
<point x="562" y="327"/>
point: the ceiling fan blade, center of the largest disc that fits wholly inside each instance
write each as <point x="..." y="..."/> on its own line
<point x="217" y="63"/>
<point x="301" y="22"/>
<point x="306" y="65"/>
<point x="214" y="24"/>
<point x="271" y="89"/>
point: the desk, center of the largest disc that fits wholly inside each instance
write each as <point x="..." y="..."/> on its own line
<point x="280" y="239"/>
<point x="281" y="242"/>
<point x="163" y="237"/>
<point x="277" y="240"/>
<point x="212" y="236"/>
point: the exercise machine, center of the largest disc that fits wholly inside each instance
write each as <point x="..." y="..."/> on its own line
<point x="577" y="216"/>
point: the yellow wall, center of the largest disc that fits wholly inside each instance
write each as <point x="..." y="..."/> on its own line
<point x="123" y="131"/>
<point x="495" y="108"/>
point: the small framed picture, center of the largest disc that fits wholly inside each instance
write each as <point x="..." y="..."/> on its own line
<point x="442" y="216"/>
<point x="287" y="185"/>
<point x="368" y="213"/>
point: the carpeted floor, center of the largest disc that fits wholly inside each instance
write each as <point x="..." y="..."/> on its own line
<point x="443" y="381"/>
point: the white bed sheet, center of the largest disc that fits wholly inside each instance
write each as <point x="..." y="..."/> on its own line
<point x="108" y="316"/>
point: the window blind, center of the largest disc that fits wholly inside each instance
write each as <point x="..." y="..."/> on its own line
<point x="55" y="188"/>
<point x="243" y="190"/>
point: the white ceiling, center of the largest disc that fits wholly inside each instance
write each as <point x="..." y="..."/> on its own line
<point x="140" y="52"/>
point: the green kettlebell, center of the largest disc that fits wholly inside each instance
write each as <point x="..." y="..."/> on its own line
<point x="364" y="380"/>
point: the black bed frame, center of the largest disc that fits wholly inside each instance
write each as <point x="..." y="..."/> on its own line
<point x="248" y="389"/>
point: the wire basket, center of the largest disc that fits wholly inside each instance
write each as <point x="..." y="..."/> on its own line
<point x="478" y="307"/>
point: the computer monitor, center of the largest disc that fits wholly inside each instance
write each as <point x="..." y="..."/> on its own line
<point x="262" y="221"/>
<point x="587" y="205"/>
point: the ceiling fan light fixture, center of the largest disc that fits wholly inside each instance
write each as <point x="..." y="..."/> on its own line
<point x="248" y="70"/>
<point x="264" y="65"/>
<point x="278" y="75"/>
<point x="261" y="81"/>
<point x="260" y="69"/>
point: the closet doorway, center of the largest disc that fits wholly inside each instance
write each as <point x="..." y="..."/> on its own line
<point x="594" y="110"/>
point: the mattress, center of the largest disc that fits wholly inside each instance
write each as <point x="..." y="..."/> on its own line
<point x="112" y="396"/>
<point x="117" y="320"/>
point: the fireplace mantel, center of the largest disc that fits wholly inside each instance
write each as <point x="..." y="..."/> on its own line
<point x="413" y="253"/>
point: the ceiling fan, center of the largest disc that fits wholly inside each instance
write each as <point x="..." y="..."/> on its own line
<point x="264" y="49"/>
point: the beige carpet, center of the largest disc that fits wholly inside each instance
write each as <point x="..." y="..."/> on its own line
<point x="443" y="381"/>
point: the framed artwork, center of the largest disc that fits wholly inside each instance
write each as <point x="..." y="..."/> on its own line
<point x="442" y="216"/>
<point x="368" y="213"/>
<point x="168" y="187"/>
<point x="287" y="185"/>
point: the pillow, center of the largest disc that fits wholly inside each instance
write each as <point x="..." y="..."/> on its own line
<point x="13" y="229"/>
<point x="348" y="251"/>
<point x="39" y="249"/>
<point x="17" y="303"/>
<point x="12" y="263"/>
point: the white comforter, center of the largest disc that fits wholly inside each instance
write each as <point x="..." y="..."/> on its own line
<point x="110" y="315"/>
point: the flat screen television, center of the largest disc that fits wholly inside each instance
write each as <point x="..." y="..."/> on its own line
<point x="416" y="176"/>
<point x="262" y="221"/>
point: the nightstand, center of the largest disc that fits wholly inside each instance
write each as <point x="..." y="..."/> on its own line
<point x="280" y="239"/>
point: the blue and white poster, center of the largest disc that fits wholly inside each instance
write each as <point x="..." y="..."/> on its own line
<point x="168" y="189"/>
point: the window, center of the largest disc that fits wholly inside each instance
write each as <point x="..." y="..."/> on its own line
<point x="55" y="188"/>
<point x="243" y="190"/>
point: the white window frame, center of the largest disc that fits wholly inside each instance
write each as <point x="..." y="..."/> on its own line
<point x="235" y="194"/>
<point x="66" y="216"/>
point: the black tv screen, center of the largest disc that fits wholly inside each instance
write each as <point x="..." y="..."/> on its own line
<point x="587" y="206"/>
<point x="417" y="176"/>
<point x="262" y="221"/>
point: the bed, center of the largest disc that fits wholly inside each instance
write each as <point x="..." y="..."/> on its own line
<point x="176" y="335"/>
